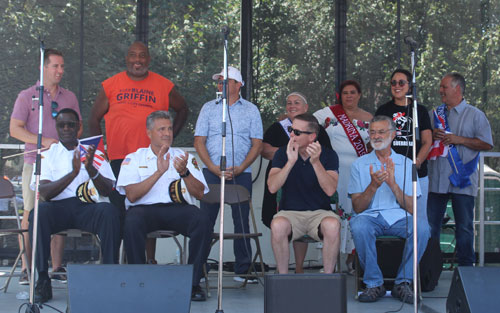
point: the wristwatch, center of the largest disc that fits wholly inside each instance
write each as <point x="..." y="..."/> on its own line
<point x="185" y="174"/>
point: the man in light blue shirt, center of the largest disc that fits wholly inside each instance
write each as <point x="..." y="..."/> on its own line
<point x="243" y="145"/>
<point x="381" y="193"/>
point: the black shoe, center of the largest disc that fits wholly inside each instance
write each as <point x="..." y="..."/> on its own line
<point x="372" y="294"/>
<point x="59" y="274"/>
<point x="197" y="294"/>
<point x="403" y="292"/>
<point x="43" y="290"/>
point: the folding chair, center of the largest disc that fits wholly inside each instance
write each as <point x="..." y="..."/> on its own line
<point x="389" y="255"/>
<point x="234" y="194"/>
<point x="171" y="234"/>
<point x="7" y="192"/>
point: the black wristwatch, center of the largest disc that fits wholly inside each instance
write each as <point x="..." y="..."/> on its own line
<point x="185" y="174"/>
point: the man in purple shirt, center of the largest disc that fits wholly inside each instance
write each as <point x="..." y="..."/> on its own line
<point x="24" y="127"/>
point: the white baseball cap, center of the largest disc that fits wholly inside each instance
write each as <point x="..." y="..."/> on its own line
<point x="232" y="73"/>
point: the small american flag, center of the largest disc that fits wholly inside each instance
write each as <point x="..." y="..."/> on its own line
<point x="98" y="156"/>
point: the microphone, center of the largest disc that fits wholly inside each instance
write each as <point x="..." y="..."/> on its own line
<point x="410" y="41"/>
<point x="225" y="30"/>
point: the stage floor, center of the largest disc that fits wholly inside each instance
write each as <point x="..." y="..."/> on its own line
<point x="248" y="300"/>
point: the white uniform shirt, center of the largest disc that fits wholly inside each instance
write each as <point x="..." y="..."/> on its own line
<point x="140" y="165"/>
<point x="58" y="162"/>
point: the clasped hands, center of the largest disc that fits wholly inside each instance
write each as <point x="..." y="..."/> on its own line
<point x="163" y="161"/>
<point x="385" y="174"/>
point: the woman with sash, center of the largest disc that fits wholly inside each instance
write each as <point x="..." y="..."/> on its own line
<point x="401" y="112"/>
<point x="277" y="135"/>
<point x="347" y="126"/>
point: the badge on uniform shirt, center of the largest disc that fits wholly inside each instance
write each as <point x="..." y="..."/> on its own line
<point x="126" y="161"/>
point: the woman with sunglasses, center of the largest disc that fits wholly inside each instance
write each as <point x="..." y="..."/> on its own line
<point x="278" y="135"/>
<point x="339" y="120"/>
<point x="401" y="112"/>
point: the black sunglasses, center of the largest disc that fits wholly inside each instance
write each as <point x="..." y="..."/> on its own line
<point x="68" y="124"/>
<point x="400" y="82"/>
<point x="298" y="132"/>
<point x="54" y="106"/>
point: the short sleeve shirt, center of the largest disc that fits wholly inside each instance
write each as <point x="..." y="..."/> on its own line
<point x="384" y="202"/>
<point x="140" y="165"/>
<point x="58" y="162"/>
<point x="302" y="191"/>
<point x="246" y="124"/>
<point x="27" y="110"/>
<point x="466" y="121"/>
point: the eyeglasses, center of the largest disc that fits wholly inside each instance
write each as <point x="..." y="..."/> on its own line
<point x="379" y="132"/>
<point x="54" y="106"/>
<point x="66" y="124"/>
<point x="298" y="132"/>
<point x="400" y="82"/>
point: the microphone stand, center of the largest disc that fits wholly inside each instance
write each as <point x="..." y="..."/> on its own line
<point x="32" y="306"/>
<point x="415" y="137"/>
<point x="225" y="32"/>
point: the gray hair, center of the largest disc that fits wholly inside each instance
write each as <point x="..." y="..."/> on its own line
<point x="155" y="116"/>
<point x="381" y="118"/>
<point x="457" y="79"/>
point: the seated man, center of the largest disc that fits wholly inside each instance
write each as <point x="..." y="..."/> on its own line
<point x="145" y="178"/>
<point x="307" y="175"/>
<point x="61" y="175"/>
<point x="381" y="197"/>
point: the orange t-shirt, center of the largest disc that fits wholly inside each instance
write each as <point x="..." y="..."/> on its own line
<point x="130" y="103"/>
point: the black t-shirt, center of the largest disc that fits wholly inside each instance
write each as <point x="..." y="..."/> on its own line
<point x="402" y="116"/>
<point x="302" y="191"/>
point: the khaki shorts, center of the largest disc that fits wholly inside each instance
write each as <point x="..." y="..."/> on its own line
<point x="28" y="194"/>
<point x="306" y="222"/>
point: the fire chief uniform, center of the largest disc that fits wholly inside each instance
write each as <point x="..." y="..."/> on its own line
<point x="156" y="210"/>
<point x="66" y="211"/>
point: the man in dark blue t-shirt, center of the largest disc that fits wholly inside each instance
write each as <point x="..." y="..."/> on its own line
<point x="307" y="175"/>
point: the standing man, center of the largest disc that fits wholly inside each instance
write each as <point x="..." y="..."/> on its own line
<point x="307" y="174"/>
<point x="24" y="127"/>
<point x="125" y="101"/>
<point x="464" y="131"/>
<point x="62" y="179"/>
<point x="381" y="192"/>
<point x="244" y="135"/>
<point x="146" y="178"/>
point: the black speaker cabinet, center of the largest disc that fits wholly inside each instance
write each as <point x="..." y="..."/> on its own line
<point x="474" y="290"/>
<point x="299" y="293"/>
<point x="129" y="288"/>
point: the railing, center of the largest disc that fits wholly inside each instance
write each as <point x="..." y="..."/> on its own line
<point x="482" y="189"/>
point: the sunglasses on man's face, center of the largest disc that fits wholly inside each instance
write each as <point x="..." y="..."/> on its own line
<point x="54" y="106"/>
<point x="400" y="82"/>
<point x="66" y="124"/>
<point x="298" y="132"/>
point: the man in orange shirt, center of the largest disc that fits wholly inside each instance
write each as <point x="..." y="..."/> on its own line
<point x="125" y="101"/>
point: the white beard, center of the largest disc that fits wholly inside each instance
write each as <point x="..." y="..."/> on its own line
<point x="382" y="145"/>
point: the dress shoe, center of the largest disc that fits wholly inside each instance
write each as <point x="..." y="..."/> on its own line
<point x="43" y="290"/>
<point x="197" y="294"/>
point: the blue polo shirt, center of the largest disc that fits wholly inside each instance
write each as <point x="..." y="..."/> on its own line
<point x="384" y="202"/>
<point x="301" y="191"/>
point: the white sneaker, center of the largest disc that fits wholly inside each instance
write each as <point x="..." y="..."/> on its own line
<point x="249" y="279"/>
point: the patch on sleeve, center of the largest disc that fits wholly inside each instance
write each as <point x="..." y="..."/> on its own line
<point x="126" y="161"/>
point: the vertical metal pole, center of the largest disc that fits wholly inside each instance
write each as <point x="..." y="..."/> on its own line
<point x="398" y="33"/>
<point x="340" y="41"/>
<point x="481" y="210"/>
<point x="142" y="21"/>
<point x="82" y="19"/>
<point x="246" y="52"/>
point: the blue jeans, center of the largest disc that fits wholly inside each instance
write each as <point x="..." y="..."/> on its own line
<point x="365" y="230"/>
<point x="463" y="210"/>
<point x="242" y="248"/>
<point x="422" y="204"/>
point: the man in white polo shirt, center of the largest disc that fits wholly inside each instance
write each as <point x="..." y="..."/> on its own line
<point x="153" y="179"/>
